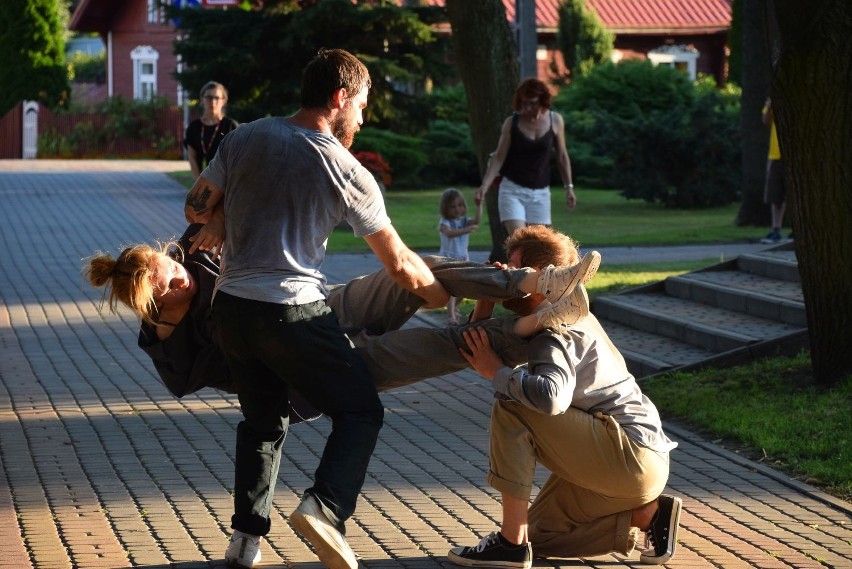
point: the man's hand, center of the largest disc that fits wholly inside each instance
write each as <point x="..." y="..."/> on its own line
<point x="209" y="238"/>
<point x="481" y="356"/>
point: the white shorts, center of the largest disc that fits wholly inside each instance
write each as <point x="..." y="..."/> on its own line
<point x="517" y="203"/>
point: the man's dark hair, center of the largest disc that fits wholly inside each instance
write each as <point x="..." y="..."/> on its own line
<point x="330" y="70"/>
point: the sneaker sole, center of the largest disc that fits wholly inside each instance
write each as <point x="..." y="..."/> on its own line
<point x="674" y="524"/>
<point x="453" y="557"/>
<point x="588" y="266"/>
<point x="334" y="553"/>
<point x="239" y="559"/>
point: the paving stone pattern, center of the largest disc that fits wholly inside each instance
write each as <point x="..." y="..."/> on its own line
<point x="100" y="467"/>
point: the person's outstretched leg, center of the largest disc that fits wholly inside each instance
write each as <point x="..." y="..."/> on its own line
<point x="403" y="357"/>
<point x="375" y="303"/>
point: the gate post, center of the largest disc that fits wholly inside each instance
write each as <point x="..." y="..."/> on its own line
<point x="30" y="130"/>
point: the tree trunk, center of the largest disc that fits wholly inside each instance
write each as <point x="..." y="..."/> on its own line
<point x="812" y="82"/>
<point x="487" y="62"/>
<point x="754" y="56"/>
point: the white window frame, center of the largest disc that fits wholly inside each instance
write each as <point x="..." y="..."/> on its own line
<point x="676" y="56"/>
<point x="144" y="84"/>
<point x="155" y="14"/>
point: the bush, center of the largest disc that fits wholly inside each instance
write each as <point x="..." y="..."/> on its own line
<point x="663" y="138"/>
<point x="452" y="159"/>
<point x="627" y="88"/>
<point x="87" y="68"/>
<point x="404" y="154"/>
<point x="448" y="103"/>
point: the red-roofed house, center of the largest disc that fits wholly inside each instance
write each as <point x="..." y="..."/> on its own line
<point x="138" y="41"/>
<point x="687" y="34"/>
<point x="691" y="34"/>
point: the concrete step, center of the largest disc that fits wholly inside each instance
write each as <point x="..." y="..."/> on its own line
<point x="749" y="293"/>
<point x="777" y="263"/>
<point x="647" y="353"/>
<point x="708" y="327"/>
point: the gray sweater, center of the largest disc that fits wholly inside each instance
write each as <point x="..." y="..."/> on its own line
<point x="580" y="367"/>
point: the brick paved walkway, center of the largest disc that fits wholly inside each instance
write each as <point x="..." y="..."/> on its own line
<point x="100" y="467"/>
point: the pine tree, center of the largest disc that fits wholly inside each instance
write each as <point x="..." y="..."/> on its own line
<point x="32" y="53"/>
<point x="581" y="37"/>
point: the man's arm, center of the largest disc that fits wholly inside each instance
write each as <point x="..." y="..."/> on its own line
<point x="193" y="163"/>
<point x="546" y="384"/>
<point x="406" y="267"/>
<point x="201" y="199"/>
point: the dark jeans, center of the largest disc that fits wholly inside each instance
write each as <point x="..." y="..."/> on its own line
<point x="271" y="348"/>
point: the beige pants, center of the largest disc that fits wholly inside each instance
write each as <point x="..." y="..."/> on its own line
<point x="598" y="475"/>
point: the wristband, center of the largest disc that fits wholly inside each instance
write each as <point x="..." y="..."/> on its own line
<point x="569" y="186"/>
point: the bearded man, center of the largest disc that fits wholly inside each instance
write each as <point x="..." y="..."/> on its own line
<point x="277" y="188"/>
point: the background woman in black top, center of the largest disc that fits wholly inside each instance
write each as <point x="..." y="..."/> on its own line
<point x="204" y="135"/>
<point x="523" y="159"/>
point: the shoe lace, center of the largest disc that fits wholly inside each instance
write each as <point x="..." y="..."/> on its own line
<point x="651" y="535"/>
<point x="486" y="541"/>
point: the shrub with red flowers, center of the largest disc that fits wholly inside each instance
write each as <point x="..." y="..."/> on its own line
<point x="374" y="162"/>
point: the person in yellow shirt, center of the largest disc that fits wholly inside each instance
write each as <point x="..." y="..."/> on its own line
<point x="774" y="192"/>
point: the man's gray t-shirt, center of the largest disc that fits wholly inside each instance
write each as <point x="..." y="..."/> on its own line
<point x="285" y="189"/>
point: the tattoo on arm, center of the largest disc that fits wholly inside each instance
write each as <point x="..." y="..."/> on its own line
<point x="197" y="200"/>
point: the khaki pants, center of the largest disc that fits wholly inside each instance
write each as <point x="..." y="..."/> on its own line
<point x="598" y="475"/>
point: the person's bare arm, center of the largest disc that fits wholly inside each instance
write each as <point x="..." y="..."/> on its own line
<point x="450" y="232"/>
<point x="478" y="216"/>
<point x="564" y="161"/>
<point x="193" y="163"/>
<point x="201" y="199"/>
<point x="406" y="267"/>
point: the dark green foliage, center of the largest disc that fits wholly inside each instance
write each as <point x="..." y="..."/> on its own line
<point x="628" y="88"/>
<point x="662" y="138"/>
<point x="88" y="68"/>
<point x="32" y="53"/>
<point x="259" y="55"/>
<point x="449" y="103"/>
<point x="582" y="39"/>
<point x="405" y="154"/>
<point x="735" y="41"/>
<point x="96" y="134"/>
<point x="451" y="156"/>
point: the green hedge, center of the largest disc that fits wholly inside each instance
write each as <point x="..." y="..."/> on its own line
<point x="654" y="134"/>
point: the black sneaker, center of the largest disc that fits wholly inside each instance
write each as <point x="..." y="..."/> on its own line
<point x="772" y="238"/>
<point x="493" y="551"/>
<point x="662" y="533"/>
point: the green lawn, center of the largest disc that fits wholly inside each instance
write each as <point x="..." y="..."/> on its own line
<point x="601" y="218"/>
<point x="771" y="412"/>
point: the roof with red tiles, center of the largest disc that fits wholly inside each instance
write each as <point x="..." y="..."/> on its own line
<point x="638" y="16"/>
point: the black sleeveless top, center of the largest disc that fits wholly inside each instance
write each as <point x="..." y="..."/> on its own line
<point x="528" y="161"/>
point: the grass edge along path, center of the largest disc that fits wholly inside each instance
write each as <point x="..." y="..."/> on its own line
<point x="771" y="412"/>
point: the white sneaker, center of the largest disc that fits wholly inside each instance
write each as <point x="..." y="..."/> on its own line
<point x="556" y="282"/>
<point x="569" y="310"/>
<point x="330" y="546"/>
<point x="244" y="549"/>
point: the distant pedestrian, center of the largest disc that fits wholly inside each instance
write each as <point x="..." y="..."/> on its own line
<point x="523" y="159"/>
<point x="774" y="193"/>
<point x="204" y="134"/>
<point x="455" y="227"/>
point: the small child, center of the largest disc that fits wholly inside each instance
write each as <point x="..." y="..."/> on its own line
<point x="454" y="227"/>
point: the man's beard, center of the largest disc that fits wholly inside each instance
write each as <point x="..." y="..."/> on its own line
<point x="344" y="131"/>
